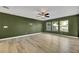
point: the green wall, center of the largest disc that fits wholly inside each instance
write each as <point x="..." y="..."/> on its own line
<point x="73" y="25"/>
<point x="78" y="25"/>
<point x="18" y="25"/>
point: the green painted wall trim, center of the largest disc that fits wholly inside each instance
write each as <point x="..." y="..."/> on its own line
<point x="18" y="25"/>
<point x="73" y="25"/>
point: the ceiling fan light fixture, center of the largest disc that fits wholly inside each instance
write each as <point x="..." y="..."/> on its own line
<point x="44" y="13"/>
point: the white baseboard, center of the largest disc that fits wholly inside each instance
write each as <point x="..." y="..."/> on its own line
<point x="18" y="36"/>
<point x="67" y="36"/>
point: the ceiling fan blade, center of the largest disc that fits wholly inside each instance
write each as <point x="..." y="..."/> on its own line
<point x="39" y="13"/>
<point x="47" y="16"/>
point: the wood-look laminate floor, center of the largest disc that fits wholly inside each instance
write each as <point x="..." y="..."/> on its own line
<point x="40" y="43"/>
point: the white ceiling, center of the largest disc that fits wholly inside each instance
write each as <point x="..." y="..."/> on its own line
<point x="32" y="11"/>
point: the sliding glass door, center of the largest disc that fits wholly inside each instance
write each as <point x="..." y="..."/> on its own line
<point x="54" y="25"/>
<point x="64" y="26"/>
<point x="57" y="26"/>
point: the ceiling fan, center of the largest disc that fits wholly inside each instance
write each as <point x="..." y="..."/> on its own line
<point x="44" y="13"/>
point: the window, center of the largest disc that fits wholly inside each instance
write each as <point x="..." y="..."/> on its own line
<point x="55" y="26"/>
<point x="48" y="26"/>
<point x="64" y="26"/>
